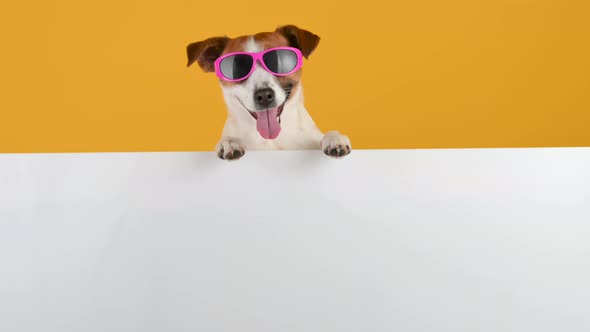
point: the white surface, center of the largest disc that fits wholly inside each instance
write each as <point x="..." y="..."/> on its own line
<point x="407" y="240"/>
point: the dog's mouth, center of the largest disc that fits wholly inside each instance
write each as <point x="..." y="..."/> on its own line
<point x="268" y="122"/>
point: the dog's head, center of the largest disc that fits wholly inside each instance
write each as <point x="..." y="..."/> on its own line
<point x="262" y="94"/>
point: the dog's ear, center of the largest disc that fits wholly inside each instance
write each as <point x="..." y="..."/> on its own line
<point x="206" y="52"/>
<point x="304" y="40"/>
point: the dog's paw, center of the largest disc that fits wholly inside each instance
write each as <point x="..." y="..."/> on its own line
<point x="335" y="144"/>
<point x="230" y="149"/>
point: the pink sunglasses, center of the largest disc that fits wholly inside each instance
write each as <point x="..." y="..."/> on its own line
<point x="238" y="66"/>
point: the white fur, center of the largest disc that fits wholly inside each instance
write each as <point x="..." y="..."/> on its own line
<point x="298" y="130"/>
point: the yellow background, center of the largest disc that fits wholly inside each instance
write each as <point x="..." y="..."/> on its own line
<point x="110" y="75"/>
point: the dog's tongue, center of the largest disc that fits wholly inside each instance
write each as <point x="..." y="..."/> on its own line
<point x="267" y="123"/>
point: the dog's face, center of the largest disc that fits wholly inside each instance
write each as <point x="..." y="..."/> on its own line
<point x="262" y="94"/>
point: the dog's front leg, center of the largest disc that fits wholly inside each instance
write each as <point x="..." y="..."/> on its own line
<point x="335" y="144"/>
<point x="230" y="148"/>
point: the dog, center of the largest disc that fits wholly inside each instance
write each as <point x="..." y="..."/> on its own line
<point x="260" y="77"/>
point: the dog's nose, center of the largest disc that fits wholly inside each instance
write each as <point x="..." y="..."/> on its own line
<point x="264" y="97"/>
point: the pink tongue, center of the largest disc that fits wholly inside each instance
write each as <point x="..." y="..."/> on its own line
<point x="267" y="123"/>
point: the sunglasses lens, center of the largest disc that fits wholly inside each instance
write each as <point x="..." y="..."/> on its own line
<point x="236" y="66"/>
<point x="280" y="61"/>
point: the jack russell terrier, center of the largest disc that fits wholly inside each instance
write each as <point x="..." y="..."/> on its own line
<point x="260" y="76"/>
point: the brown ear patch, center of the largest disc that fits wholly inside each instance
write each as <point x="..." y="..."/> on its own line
<point x="206" y="52"/>
<point x="304" y="40"/>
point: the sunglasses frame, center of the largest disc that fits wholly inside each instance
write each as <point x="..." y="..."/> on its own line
<point x="257" y="57"/>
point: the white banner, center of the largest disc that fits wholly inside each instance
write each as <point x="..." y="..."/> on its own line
<point x="380" y="241"/>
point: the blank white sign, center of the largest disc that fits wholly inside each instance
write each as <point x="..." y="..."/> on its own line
<point x="407" y="240"/>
